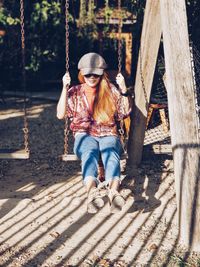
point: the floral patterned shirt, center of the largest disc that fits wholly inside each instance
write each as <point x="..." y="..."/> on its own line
<point x="82" y="119"/>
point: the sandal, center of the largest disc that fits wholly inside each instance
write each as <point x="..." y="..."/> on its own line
<point x="116" y="201"/>
<point x="95" y="201"/>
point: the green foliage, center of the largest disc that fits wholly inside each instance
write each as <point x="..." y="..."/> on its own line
<point x="42" y="45"/>
<point x="108" y="13"/>
<point x="45" y="33"/>
<point x="3" y="17"/>
<point x="6" y="18"/>
<point x="44" y="36"/>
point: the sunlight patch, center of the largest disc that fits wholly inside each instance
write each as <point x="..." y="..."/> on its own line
<point x="27" y="187"/>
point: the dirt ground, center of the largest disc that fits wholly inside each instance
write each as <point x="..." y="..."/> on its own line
<point x="43" y="218"/>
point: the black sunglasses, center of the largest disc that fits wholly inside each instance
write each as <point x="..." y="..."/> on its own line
<point x="92" y="75"/>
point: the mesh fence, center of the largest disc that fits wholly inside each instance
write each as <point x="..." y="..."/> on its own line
<point x="195" y="60"/>
<point x="158" y="129"/>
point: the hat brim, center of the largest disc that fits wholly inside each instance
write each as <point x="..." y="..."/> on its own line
<point x="96" y="71"/>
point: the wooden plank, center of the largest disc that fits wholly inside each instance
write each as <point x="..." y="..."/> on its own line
<point x="158" y="149"/>
<point x="2" y="32"/>
<point x="70" y="157"/>
<point x="150" y="41"/>
<point x="73" y="157"/>
<point x="183" y="123"/>
<point x="14" y="154"/>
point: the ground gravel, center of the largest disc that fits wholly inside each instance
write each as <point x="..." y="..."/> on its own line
<point x="43" y="218"/>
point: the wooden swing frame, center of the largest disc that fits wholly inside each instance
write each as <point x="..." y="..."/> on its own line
<point x="169" y="18"/>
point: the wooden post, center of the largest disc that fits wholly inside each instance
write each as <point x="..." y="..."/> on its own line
<point x="183" y="123"/>
<point x="150" y="41"/>
<point x="2" y="32"/>
<point x="128" y="41"/>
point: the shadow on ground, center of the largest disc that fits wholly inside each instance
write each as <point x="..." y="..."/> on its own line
<point x="43" y="205"/>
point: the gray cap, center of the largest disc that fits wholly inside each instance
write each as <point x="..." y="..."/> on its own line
<point x="92" y="63"/>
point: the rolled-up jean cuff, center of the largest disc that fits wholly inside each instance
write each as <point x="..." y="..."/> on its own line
<point x="113" y="179"/>
<point x="85" y="180"/>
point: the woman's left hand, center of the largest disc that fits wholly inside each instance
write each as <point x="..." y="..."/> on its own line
<point x="121" y="82"/>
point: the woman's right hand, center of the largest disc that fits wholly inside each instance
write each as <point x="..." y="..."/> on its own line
<point x="66" y="80"/>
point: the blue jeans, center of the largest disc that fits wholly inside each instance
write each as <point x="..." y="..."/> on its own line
<point x="88" y="148"/>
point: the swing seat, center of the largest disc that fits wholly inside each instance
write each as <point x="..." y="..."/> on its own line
<point x="14" y="154"/>
<point x="70" y="157"/>
<point x="73" y="157"/>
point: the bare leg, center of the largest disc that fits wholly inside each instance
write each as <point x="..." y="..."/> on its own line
<point x="101" y="171"/>
<point x="94" y="201"/>
<point x="114" y="184"/>
<point x="90" y="184"/>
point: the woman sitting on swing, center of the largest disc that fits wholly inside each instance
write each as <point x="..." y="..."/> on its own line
<point x="95" y="106"/>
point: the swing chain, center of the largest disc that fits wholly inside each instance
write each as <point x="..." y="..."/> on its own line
<point x="66" y="126"/>
<point x="25" y="129"/>
<point x="119" y="37"/>
<point x="67" y="33"/>
<point x="120" y="25"/>
<point x="142" y="80"/>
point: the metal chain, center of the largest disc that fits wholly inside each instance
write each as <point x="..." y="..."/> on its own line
<point x="119" y="37"/>
<point x="25" y="129"/>
<point x="67" y="34"/>
<point x="66" y="128"/>
<point x="142" y="80"/>
<point x="120" y="25"/>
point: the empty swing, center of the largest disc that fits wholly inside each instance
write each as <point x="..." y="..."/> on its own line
<point x="20" y="153"/>
<point x="122" y="124"/>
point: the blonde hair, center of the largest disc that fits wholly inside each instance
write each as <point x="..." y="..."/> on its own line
<point x="104" y="107"/>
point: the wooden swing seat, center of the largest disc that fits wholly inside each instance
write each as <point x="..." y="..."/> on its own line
<point x="69" y="157"/>
<point x="19" y="153"/>
<point x="73" y="157"/>
<point x="14" y="154"/>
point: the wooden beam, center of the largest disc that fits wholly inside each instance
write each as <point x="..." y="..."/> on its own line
<point x="70" y="157"/>
<point x="150" y="41"/>
<point x="183" y="123"/>
<point x="128" y="40"/>
<point x="2" y="32"/>
<point x="73" y="157"/>
<point x="158" y="149"/>
<point x="127" y="36"/>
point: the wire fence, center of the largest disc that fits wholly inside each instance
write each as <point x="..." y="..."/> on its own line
<point x="158" y="127"/>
